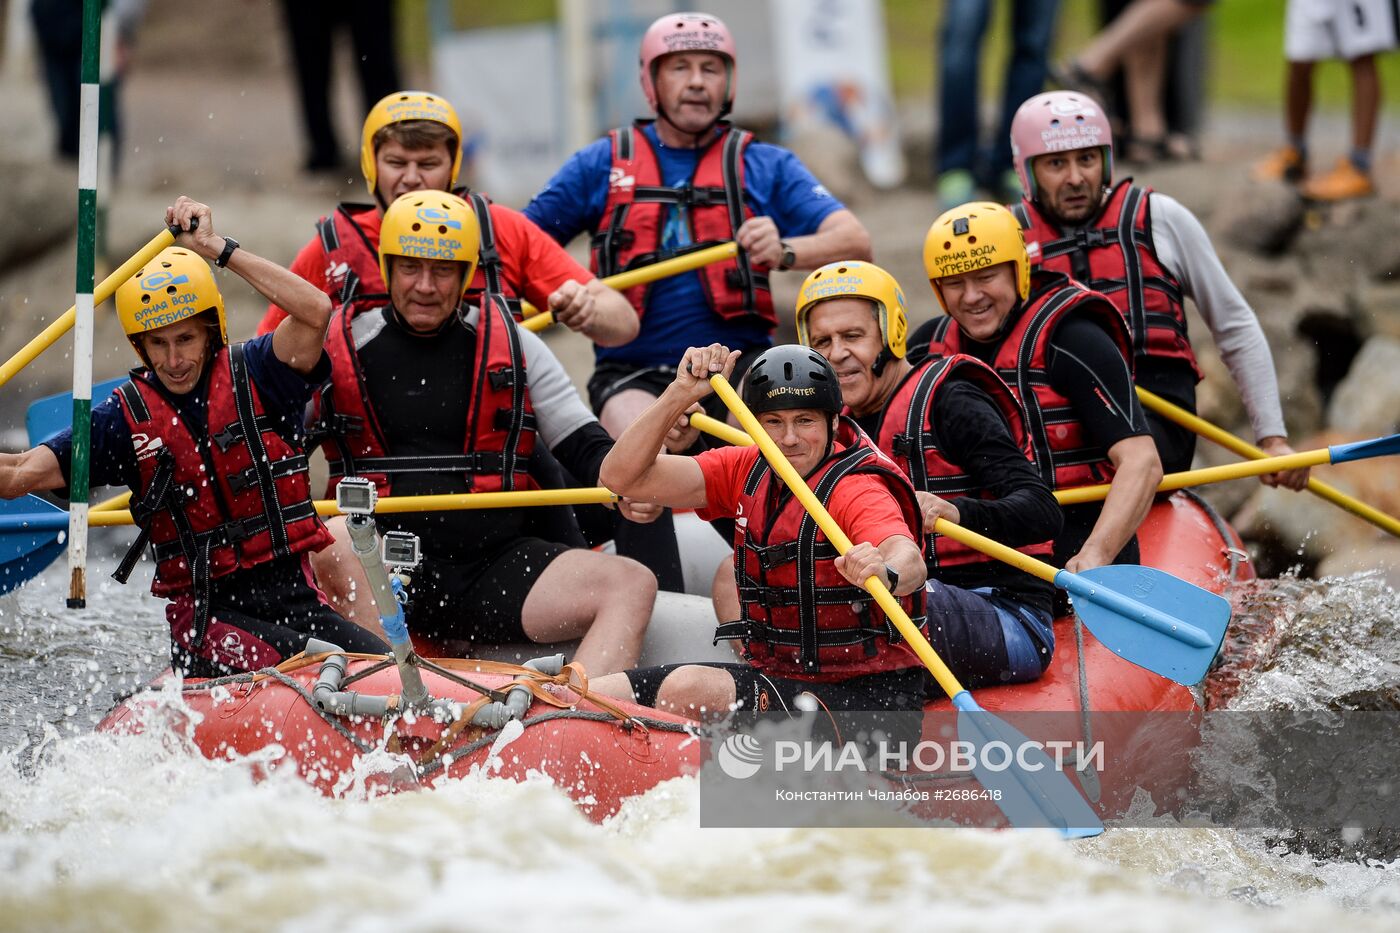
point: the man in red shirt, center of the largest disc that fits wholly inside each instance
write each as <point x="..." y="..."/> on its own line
<point x="806" y="624"/>
<point x="411" y="141"/>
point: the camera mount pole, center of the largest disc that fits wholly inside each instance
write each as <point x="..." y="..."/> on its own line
<point x="356" y="497"/>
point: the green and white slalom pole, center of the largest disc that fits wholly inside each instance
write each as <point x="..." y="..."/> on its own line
<point x="106" y="133"/>
<point x="82" y="333"/>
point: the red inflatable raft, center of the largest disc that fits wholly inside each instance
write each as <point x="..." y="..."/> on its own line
<point x="601" y="753"/>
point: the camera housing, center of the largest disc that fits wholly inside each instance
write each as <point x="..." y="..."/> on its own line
<point x="356" y="495"/>
<point x="401" y="550"/>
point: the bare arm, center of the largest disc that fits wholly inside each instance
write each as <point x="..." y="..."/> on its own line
<point x="600" y="313"/>
<point x="1137" y="471"/>
<point x="864" y="560"/>
<point x="34" y="470"/>
<point x="298" y="340"/>
<point x="636" y="468"/>
<point x="840" y="235"/>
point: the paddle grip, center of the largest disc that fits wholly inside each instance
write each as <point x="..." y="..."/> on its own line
<point x="1140" y="612"/>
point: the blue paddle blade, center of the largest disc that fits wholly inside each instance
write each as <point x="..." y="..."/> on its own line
<point x="51" y="414"/>
<point x="1151" y="618"/>
<point x="1032" y="792"/>
<point x="1360" y="450"/>
<point x="25" y="553"/>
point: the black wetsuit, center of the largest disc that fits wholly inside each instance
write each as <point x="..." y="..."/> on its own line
<point x="1087" y="368"/>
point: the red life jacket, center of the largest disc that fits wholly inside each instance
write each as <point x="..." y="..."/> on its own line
<point x="639" y="202"/>
<point x="211" y="505"/>
<point x="500" y="432"/>
<point x="1062" y="448"/>
<point x="909" y="436"/>
<point x="801" y="618"/>
<point x="1115" y="257"/>
<point x="352" y="256"/>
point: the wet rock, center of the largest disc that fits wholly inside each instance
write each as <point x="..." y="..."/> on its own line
<point x="1261" y="276"/>
<point x="1302" y="528"/>
<point x="1363" y="236"/>
<point x="33" y="226"/>
<point x="1226" y="498"/>
<point x="1296" y="368"/>
<point x="1217" y="396"/>
<point x="1265" y="221"/>
<point x="1288" y="528"/>
<point x="1378" y="307"/>
<point x="1381" y="556"/>
<point x="1367" y="401"/>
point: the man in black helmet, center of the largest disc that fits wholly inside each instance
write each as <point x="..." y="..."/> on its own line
<point x="806" y="625"/>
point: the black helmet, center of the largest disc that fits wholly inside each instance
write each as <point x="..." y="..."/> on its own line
<point x="791" y="376"/>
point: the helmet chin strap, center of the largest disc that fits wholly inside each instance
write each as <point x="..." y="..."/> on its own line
<point x="883" y="359"/>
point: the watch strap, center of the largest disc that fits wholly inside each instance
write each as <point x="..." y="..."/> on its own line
<point x="230" y="244"/>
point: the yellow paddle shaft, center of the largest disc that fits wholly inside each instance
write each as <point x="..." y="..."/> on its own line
<point x="1205" y="475"/>
<point x="1230" y="442"/>
<point x="116" y="502"/>
<point x="719" y="429"/>
<point x="445" y="503"/>
<point x="104" y="290"/>
<point x="537" y="321"/>
<point x="876" y="587"/>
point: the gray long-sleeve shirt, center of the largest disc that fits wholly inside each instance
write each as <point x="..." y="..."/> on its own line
<point x="1185" y="250"/>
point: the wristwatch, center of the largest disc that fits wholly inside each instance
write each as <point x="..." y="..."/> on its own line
<point x="789" y="257"/>
<point x="230" y="244"/>
<point x="894" y="577"/>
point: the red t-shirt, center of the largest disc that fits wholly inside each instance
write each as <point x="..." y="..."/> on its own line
<point x="862" y="505"/>
<point x="533" y="266"/>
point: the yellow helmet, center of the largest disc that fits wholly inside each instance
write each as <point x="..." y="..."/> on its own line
<point x="974" y="236"/>
<point x="175" y="285"/>
<point x="856" y="279"/>
<point x="430" y="225"/>
<point x="401" y="106"/>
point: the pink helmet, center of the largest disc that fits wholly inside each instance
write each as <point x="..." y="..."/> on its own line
<point x="1058" y="121"/>
<point x="686" y="32"/>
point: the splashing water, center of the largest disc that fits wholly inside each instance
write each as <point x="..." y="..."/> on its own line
<point x="103" y="832"/>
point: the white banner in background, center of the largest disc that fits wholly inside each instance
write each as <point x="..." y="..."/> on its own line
<point x="506" y="86"/>
<point x="833" y="68"/>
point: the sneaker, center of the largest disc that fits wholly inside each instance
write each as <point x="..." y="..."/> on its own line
<point x="1283" y="164"/>
<point x="956" y="187"/>
<point x="1343" y="182"/>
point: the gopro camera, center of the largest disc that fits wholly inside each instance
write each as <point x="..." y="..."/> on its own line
<point x="401" y="550"/>
<point x="356" y="495"/>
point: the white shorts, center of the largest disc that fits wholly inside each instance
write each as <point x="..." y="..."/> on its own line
<point x="1318" y="30"/>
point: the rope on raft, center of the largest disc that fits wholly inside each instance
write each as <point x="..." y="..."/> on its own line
<point x="442" y="753"/>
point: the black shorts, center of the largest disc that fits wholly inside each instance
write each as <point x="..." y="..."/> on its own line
<point x="259" y="618"/>
<point x="906" y="689"/>
<point x="609" y="379"/>
<point x="479" y="601"/>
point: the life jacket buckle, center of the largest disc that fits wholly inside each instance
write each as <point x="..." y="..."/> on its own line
<point x="227" y="437"/>
<point x="1095" y="237"/>
<point x="503" y="378"/>
<point x="245" y="479"/>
